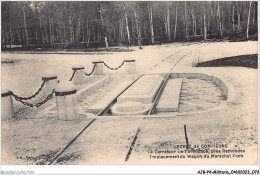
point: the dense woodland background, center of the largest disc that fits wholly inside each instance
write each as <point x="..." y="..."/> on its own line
<point x="82" y="24"/>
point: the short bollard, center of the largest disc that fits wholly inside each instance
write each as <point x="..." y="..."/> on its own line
<point x="99" y="68"/>
<point x="66" y="101"/>
<point x="7" y="106"/>
<point x="79" y="75"/>
<point x="51" y="82"/>
<point x="130" y="66"/>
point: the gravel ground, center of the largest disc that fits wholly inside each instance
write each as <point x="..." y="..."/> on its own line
<point x="199" y="94"/>
<point x="108" y="140"/>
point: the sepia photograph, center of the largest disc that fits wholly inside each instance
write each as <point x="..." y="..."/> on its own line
<point x="129" y="83"/>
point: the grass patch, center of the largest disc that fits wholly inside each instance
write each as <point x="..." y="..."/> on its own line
<point x="250" y="61"/>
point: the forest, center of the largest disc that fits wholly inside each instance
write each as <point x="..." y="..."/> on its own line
<point x="83" y="24"/>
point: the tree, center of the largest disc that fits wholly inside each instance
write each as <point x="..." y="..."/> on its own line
<point x="138" y="31"/>
<point x="150" y="10"/>
<point x="24" y="4"/>
<point x="176" y="21"/>
<point x="186" y="21"/>
<point x="248" y="19"/>
<point x="69" y="23"/>
<point x="168" y="21"/>
<point x="127" y="26"/>
<point x="204" y="22"/>
<point x="103" y="25"/>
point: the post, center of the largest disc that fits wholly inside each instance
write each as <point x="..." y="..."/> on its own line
<point x="99" y="68"/>
<point x="186" y="138"/>
<point x="79" y="75"/>
<point x="51" y="82"/>
<point x="7" y="106"/>
<point x="130" y="66"/>
<point x="66" y="101"/>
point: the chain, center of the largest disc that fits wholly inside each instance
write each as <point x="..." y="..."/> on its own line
<point x="30" y="97"/>
<point x="115" y="67"/>
<point x="37" y="104"/>
<point x="94" y="67"/>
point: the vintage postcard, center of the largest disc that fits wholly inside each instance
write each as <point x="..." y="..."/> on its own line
<point x="129" y="83"/>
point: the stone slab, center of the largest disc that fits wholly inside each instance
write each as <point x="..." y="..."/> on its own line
<point x="143" y="90"/>
<point x="105" y="101"/>
<point x="130" y="108"/>
<point x="169" y="101"/>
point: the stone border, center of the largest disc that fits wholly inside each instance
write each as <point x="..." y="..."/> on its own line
<point x="226" y="86"/>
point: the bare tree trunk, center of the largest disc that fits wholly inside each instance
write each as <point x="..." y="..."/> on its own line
<point x="238" y="16"/>
<point x="99" y="36"/>
<point x="83" y="32"/>
<point x="70" y="30"/>
<point x="220" y="26"/>
<point x="133" y="26"/>
<point x="193" y="22"/>
<point x="201" y="26"/>
<point x="138" y="31"/>
<point x="53" y="34"/>
<point x="10" y="36"/>
<point x="25" y="27"/>
<point x="255" y="12"/>
<point x="186" y="22"/>
<point x="36" y="37"/>
<point x="168" y="21"/>
<point x="248" y="20"/>
<point x="50" y="32"/>
<point x="62" y="35"/>
<point x="78" y="30"/>
<point x="43" y="40"/>
<point x="127" y="27"/>
<point x="121" y="29"/>
<point x="46" y="33"/>
<point x="87" y="30"/>
<point x="65" y="35"/>
<point x="88" y="38"/>
<point x="4" y="37"/>
<point x="151" y="22"/>
<point x="176" y="20"/>
<point x="233" y="17"/>
<point x="205" y="26"/>
<point x="253" y="16"/>
<point x="103" y="25"/>
<point x="165" y="25"/>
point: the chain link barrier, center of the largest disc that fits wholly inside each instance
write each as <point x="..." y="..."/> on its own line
<point x="37" y="104"/>
<point x="94" y="67"/>
<point x="30" y="97"/>
<point x="24" y="99"/>
<point x="111" y="68"/>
